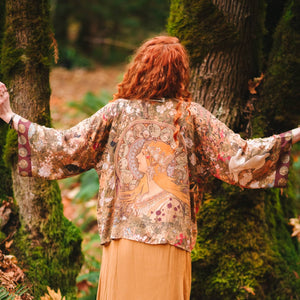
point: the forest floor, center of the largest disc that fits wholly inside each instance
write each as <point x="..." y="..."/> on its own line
<point x="67" y="86"/>
<point x="72" y="85"/>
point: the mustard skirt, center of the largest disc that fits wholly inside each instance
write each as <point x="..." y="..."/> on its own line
<point x="137" y="271"/>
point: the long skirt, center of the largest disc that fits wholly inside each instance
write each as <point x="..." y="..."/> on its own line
<point x="137" y="271"/>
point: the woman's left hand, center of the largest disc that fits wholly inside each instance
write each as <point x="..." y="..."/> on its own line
<point x="296" y="135"/>
<point x="5" y="110"/>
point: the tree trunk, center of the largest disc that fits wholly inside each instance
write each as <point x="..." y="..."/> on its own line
<point x="46" y="243"/>
<point x="244" y="248"/>
<point x="5" y="174"/>
<point x="220" y="82"/>
<point x="225" y="41"/>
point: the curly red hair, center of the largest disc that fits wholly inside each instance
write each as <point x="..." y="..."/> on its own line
<point x="159" y="69"/>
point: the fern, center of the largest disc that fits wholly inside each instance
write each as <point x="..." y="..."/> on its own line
<point x="91" y="103"/>
<point x="89" y="185"/>
<point x="5" y="294"/>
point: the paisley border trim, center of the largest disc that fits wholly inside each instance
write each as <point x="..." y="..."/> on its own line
<point x="24" y="150"/>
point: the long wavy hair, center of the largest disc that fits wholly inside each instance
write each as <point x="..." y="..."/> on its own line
<point x="159" y="69"/>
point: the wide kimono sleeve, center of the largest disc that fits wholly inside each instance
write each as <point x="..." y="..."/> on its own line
<point x="253" y="163"/>
<point x="54" y="154"/>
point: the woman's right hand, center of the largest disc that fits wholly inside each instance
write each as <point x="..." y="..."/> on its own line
<point x="5" y="110"/>
<point x="296" y="135"/>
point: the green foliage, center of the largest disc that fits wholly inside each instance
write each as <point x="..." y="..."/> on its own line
<point x="6" y="295"/>
<point x="70" y="57"/>
<point x="92" y="264"/>
<point x="91" y="102"/>
<point x="107" y="30"/>
<point x="86" y="221"/>
<point x="57" y="260"/>
<point x="201" y="27"/>
<point x="89" y="185"/>
<point x="90" y="277"/>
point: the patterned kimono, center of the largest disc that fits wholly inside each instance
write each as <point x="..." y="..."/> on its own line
<point x="149" y="183"/>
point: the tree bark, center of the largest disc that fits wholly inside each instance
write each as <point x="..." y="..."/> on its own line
<point x="244" y="248"/>
<point x="220" y="82"/>
<point x="46" y="243"/>
<point x="30" y="92"/>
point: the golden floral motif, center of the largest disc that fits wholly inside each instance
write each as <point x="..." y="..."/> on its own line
<point x="23" y="164"/>
<point x="283" y="171"/>
<point x="22" y="152"/>
<point x="22" y="140"/>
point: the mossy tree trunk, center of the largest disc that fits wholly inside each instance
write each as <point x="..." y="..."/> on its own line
<point x="5" y="183"/>
<point x="244" y="248"/>
<point x="47" y="245"/>
<point x="223" y="39"/>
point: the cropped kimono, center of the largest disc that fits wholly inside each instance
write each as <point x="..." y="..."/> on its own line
<point x="149" y="182"/>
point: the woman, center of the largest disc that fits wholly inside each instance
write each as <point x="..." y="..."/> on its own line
<point x="149" y="147"/>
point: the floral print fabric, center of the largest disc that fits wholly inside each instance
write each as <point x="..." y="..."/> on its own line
<point x="149" y="184"/>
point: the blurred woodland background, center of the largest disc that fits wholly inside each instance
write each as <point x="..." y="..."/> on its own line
<point x="104" y="31"/>
<point x="245" y="69"/>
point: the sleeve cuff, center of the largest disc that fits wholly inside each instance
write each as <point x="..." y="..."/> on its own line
<point x="282" y="168"/>
<point x="24" y="150"/>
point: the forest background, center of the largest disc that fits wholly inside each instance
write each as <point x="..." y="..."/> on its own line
<point x="93" y="42"/>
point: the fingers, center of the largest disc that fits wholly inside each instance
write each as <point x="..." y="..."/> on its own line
<point x="2" y="86"/>
<point x="2" y="93"/>
<point x="296" y="135"/>
<point x="3" y="89"/>
<point x="5" y="110"/>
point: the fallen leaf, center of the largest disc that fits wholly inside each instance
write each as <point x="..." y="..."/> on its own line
<point x="84" y="285"/>
<point x="52" y="295"/>
<point x="8" y="244"/>
<point x="253" y="84"/>
<point x="295" y="222"/>
<point x="249" y="289"/>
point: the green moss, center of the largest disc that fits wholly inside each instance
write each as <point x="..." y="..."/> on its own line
<point x="2" y="236"/>
<point x="2" y="25"/>
<point x="5" y="174"/>
<point x="11" y="55"/>
<point x="201" y="27"/>
<point x="57" y="260"/>
<point x="11" y="148"/>
<point x="244" y="242"/>
<point x="45" y="118"/>
<point x="38" y="51"/>
<point x="281" y="86"/>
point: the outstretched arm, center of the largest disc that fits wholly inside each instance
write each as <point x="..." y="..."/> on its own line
<point x="253" y="163"/>
<point x="55" y="154"/>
